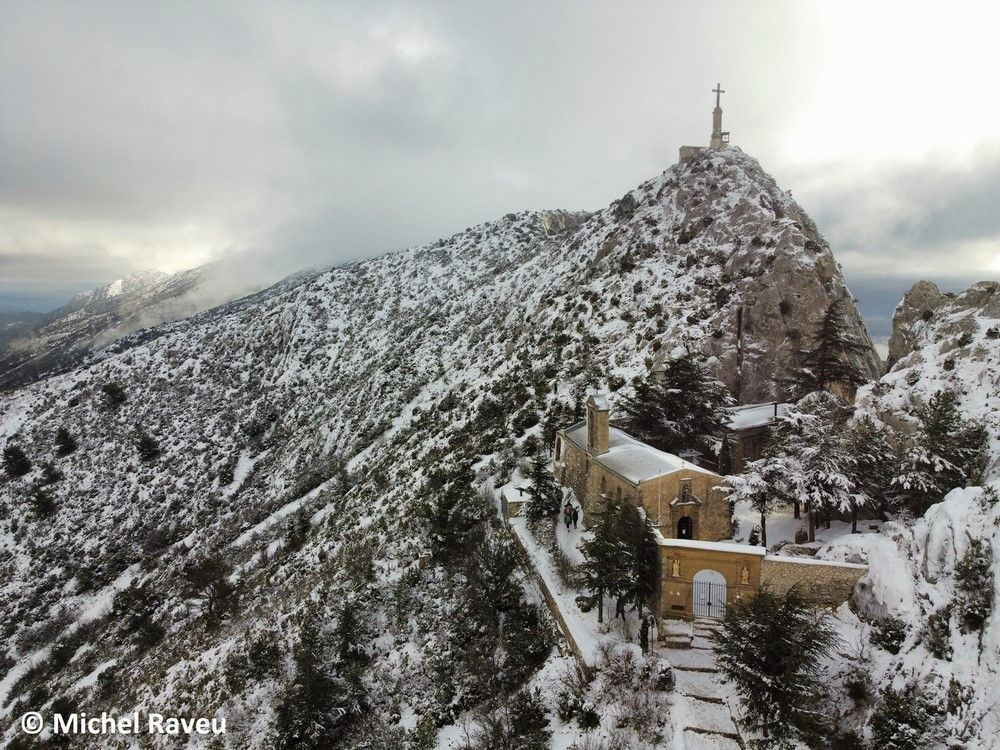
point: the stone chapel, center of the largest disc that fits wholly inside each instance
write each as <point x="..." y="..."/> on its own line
<point x="601" y="463"/>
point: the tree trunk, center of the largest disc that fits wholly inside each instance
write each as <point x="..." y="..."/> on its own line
<point x="600" y="606"/>
<point x="763" y="530"/>
<point x="797" y="509"/>
<point x="811" y="516"/>
<point x="854" y="520"/>
<point x="829" y="518"/>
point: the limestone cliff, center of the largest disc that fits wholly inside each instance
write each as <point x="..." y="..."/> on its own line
<point x="942" y="341"/>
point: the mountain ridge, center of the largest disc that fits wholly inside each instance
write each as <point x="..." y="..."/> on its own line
<point x="298" y="432"/>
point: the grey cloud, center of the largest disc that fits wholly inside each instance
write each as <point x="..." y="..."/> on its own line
<point x="276" y="137"/>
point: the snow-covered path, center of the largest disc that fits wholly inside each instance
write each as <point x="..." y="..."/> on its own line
<point x="701" y="717"/>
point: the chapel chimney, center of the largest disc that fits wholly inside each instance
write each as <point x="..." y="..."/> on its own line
<point x="598" y="438"/>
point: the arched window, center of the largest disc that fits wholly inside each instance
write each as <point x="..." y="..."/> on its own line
<point x="685" y="528"/>
<point x="558" y="447"/>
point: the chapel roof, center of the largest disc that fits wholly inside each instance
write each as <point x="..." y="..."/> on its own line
<point x="630" y="457"/>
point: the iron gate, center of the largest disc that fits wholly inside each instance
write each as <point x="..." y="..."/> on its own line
<point x="709" y="599"/>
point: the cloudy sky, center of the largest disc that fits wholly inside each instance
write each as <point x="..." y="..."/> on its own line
<point x="165" y="135"/>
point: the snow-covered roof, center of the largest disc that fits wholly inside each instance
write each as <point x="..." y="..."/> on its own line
<point x="632" y="458"/>
<point x="755" y="415"/>
<point x="742" y="549"/>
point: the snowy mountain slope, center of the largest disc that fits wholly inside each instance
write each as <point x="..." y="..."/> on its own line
<point x="943" y="341"/>
<point x="67" y="336"/>
<point x="387" y="370"/>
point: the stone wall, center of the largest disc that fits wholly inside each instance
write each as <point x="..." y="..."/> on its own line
<point x="825" y="584"/>
<point x="679" y="565"/>
<point x="712" y="517"/>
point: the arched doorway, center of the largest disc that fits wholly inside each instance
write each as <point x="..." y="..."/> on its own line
<point x="709" y="594"/>
<point x="685" y="528"/>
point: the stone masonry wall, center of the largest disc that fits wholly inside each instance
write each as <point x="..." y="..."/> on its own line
<point x="823" y="584"/>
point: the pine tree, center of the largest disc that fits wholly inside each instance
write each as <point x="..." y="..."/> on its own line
<point x="644" y="414"/>
<point x="545" y="495"/>
<point x="947" y="452"/>
<point x="451" y="509"/>
<point x="808" y="462"/>
<point x="870" y="465"/>
<point x="831" y="357"/>
<point x="149" y="449"/>
<point x="725" y="457"/>
<point x="310" y="713"/>
<point x="65" y="442"/>
<point x="601" y="574"/>
<point x="682" y="408"/>
<point x="15" y="462"/>
<point x="350" y="661"/>
<point x="770" y="648"/>
<point x="639" y="558"/>
<point x="42" y="503"/>
<point x="974" y="585"/>
<point x="761" y="487"/>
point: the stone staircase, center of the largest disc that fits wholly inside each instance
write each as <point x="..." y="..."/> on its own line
<point x="701" y="712"/>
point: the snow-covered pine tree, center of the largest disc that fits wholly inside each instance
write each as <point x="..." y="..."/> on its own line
<point x="947" y="451"/>
<point x="815" y="466"/>
<point x="643" y="412"/>
<point x="65" y="442"/>
<point x="681" y="407"/>
<point x="641" y="557"/>
<point x="770" y="648"/>
<point x="871" y="457"/>
<point x="15" y="462"/>
<point x="762" y="486"/>
<point x="350" y="660"/>
<point x="974" y="585"/>
<point x="310" y="712"/>
<point x="545" y="495"/>
<point x="831" y="359"/>
<point x="601" y="571"/>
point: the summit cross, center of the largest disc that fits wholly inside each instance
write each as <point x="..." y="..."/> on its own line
<point x="718" y="91"/>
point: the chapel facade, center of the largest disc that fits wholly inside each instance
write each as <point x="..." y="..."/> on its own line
<point x="603" y="464"/>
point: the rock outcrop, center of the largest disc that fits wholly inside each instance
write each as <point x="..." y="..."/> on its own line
<point x="942" y="341"/>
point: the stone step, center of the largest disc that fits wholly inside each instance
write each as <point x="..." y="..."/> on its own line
<point x="700" y="739"/>
<point x="681" y="643"/>
<point x="707" y="670"/>
<point x="700" y="641"/>
<point x="700" y="685"/>
<point x="691" y="658"/>
<point x="709" y="717"/>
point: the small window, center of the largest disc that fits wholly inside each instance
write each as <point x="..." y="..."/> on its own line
<point x="604" y="485"/>
<point x="558" y="448"/>
<point x="618" y="493"/>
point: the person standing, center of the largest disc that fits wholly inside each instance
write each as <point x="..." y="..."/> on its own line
<point x="576" y="516"/>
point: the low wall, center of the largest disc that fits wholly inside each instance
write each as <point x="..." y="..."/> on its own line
<point x="550" y="601"/>
<point x="827" y="584"/>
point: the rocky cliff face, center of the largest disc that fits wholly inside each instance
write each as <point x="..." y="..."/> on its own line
<point x="942" y="341"/>
<point x="293" y="433"/>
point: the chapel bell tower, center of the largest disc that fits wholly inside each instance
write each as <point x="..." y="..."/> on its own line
<point x="598" y="439"/>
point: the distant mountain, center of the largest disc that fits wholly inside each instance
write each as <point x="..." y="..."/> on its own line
<point x="14" y="325"/>
<point x="66" y="337"/>
<point x="312" y="435"/>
